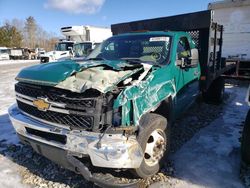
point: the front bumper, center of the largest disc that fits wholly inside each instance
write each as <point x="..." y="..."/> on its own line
<point x="68" y="161"/>
<point x="115" y="150"/>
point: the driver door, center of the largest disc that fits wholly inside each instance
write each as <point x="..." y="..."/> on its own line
<point x="188" y="78"/>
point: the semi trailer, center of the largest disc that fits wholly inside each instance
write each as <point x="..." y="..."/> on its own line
<point x="234" y="16"/>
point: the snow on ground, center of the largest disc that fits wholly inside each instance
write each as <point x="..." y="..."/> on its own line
<point x="212" y="157"/>
<point x="7" y="97"/>
<point x="7" y="62"/>
<point x="9" y="176"/>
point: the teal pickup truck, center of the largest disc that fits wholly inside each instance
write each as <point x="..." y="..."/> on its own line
<point x="114" y="109"/>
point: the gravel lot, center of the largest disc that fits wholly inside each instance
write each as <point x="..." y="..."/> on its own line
<point x="33" y="170"/>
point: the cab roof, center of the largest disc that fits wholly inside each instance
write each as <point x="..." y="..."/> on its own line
<point x="167" y="33"/>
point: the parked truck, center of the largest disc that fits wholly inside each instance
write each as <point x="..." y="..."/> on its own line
<point x="4" y="53"/>
<point x="114" y="109"/>
<point x="82" y="49"/>
<point x="63" y="50"/>
<point x="16" y="53"/>
<point x="86" y="38"/>
<point x="80" y="41"/>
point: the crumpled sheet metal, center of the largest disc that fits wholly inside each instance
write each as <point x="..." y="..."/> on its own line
<point x="52" y="74"/>
<point x="48" y="73"/>
<point x="114" y="64"/>
<point x="96" y="78"/>
<point x="114" y="150"/>
<point x="145" y="96"/>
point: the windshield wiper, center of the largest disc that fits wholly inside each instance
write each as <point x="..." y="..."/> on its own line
<point x="95" y="59"/>
<point x="132" y="59"/>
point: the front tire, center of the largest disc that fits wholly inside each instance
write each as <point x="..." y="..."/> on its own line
<point x="154" y="140"/>
<point x="44" y="59"/>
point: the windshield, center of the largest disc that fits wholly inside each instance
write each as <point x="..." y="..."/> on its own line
<point x="82" y="49"/>
<point x="149" y="48"/>
<point x="63" y="46"/>
<point x="3" y="51"/>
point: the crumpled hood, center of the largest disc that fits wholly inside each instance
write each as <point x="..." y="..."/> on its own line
<point x="78" y="76"/>
<point x="48" y="73"/>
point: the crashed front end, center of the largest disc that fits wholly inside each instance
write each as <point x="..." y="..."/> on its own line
<point x="114" y="150"/>
<point x="80" y="122"/>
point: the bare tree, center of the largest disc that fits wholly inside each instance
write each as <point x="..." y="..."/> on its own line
<point x="18" y="23"/>
<point x="30" y="32"/>
<point x="51" y="43"/>
<point x="26" y="34"/>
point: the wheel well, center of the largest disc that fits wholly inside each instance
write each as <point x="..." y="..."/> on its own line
<point x="166" y="109"/>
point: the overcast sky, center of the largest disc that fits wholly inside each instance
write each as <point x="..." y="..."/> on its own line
<point x="54" y="14"/>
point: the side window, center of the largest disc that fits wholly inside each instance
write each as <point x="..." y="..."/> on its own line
<point x="110" y="47"/>
<point x="109" y="50"/>
<point x="183" y="48"/>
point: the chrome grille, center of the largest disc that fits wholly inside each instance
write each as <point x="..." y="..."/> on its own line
<point x="57" y="95"/>
<point x="74" y="110"/>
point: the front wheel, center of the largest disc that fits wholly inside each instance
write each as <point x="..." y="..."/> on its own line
<point x="44" y="59"/>
<point x="154" y="140"/>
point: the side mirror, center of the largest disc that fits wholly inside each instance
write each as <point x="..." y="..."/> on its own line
<point x="181" y="62"/>
<point x="191" y="61"/>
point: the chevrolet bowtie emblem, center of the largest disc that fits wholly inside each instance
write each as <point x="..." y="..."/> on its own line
<point x="41" y="104"/>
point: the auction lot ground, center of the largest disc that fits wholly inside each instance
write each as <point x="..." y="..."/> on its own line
<point x="205" y="145"/>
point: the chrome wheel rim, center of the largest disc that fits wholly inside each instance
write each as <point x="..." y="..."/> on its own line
<point x="155" y="147"/>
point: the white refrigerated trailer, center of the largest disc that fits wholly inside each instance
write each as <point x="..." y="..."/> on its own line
<point x="234" y="15"/>
<point x="86" y="38"/>
<point x="86" y="33"/>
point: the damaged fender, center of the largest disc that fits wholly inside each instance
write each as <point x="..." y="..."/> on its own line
<point x="145" y="96"/>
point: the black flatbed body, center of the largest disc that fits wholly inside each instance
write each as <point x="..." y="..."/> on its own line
<point x="207" y="35"/>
